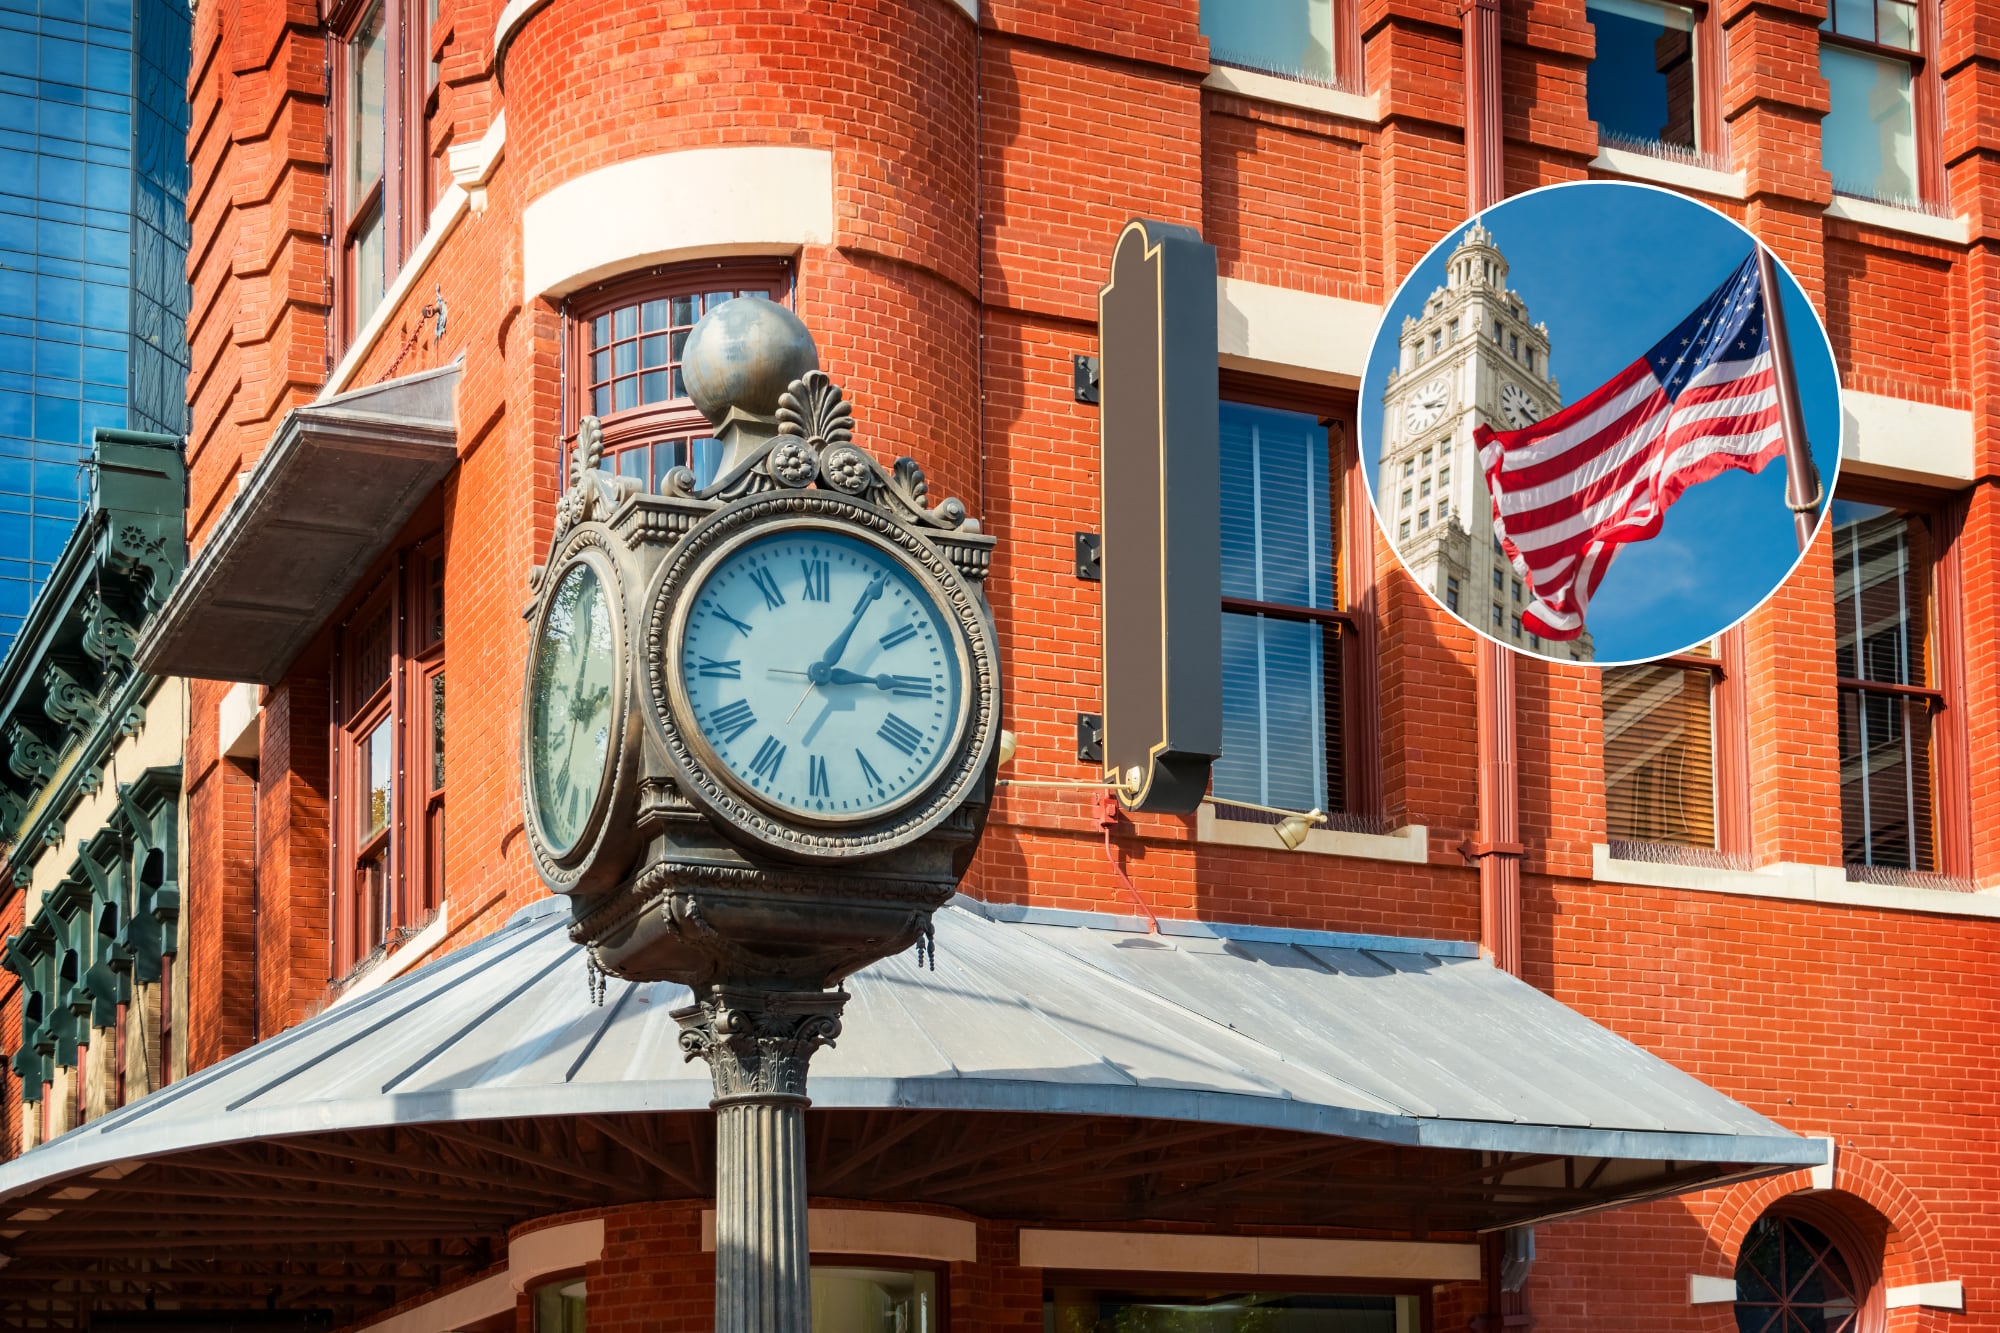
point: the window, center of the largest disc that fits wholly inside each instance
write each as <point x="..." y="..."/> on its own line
<point x="1514" y="345"/>
<point x="1517" y="624"/>
<point x="560" y="1307"/>
<point x="1427" y="458"/>
<point x="1497" y="614"/>
<point x="1444" y="478"/>
<point x="1423" y="519"/>
<point x="1295" y="38"/>
<point x="382" y="197"/>
<point x="1451" y="331"/>
<point x="1659" y="769"/>
<point x="1818" y="1272"/>
<point x="1881" y="121"/>
<point x="1284" y="625"/>
<point x="625" y="350"/>
<point x="1227" y="1310"/>
<point x="1437" y="342"/>
<point x="389" y="761"/>
<point x="1499" y="579"/>
<point x="875" y="1300"/>
<point x="1451" y="593"/>
<point x="1882" y="656"/>
<point x="1425" y="489"/>
<point x="1409" y="467"/>
<point x="1444" y="509"/>
<point x="1409" y="497"/>
<point x="1498" y="331"/>
<point x="1644" y="86"/>
<point x="1517" y="590"/>
<point x="1403" y="530"/>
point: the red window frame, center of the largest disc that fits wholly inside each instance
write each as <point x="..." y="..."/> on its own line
<point x="1859" y="1252"/>
<point x="1710" y="130"/>
<point x="370" y="914"/>
<point x="400" y="196"/>
<point x="672" y="420"/>
<point x="1926" y="87"/>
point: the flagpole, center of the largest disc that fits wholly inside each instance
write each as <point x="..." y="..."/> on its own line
<point x="1802" y="484"/>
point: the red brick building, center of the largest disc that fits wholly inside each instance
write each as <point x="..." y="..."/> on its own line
<point x="507" y="216"/>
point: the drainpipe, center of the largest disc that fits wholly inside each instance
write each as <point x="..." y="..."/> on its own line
<point x="1497" y="844"/>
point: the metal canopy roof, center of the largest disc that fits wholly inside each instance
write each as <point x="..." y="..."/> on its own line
<point x="1042" y="1070"/>
<point x="338" y="482"/>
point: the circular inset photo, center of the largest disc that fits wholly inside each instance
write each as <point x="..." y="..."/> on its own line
<point x="1590" y="432"/>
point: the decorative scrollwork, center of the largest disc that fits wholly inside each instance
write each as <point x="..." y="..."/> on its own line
<point x="29" y="756"/>
<point x="593" y="494"/>
<point x="793" y="464"/>
<point x="134" y="552"/>
<point x="108" y="638"/>
<point x="68" y="702"/>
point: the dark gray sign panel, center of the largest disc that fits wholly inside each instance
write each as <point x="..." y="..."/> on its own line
<point x="1162" y="559"/>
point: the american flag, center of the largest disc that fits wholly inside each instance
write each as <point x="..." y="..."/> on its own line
<point x="1568" y="491"/>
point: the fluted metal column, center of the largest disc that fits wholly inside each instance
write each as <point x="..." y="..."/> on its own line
<point x="758" y="1044"/>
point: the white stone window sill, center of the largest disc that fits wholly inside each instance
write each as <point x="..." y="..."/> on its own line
<point x="406" y="956"/>
<point x="1294" y="93"/>
<point x="1952" y="231"/>
<point x="1666" y="171"/>
<point x="1791" y="880"/>
<point x="1409" y="844"/>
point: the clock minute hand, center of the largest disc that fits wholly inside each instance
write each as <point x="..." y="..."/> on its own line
<point x="884" y="681"/>
<point x="821" y="668"/>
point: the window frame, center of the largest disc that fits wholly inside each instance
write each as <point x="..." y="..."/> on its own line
<point x="649" y="422"/>
<point x="413" y="838"/>
<point x="1926" y="97"/>
<point x="1353" y="616"/>
<point x="1349" y="66"/>
<point x="1711" y="131"/>
<point x="1862" y="1254"/>
<point x="1951" y="782"/>
<point x="401" y="196"/>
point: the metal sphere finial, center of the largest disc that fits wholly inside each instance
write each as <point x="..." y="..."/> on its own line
<point x="743" y="354"/>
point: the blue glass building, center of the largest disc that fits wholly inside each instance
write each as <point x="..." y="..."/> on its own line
<point x="93" y="256"/>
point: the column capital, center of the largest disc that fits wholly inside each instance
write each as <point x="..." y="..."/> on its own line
<point x="758" y="1042"/>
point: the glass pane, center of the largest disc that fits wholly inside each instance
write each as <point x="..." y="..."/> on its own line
<point x="600" y="367"/>
<point x="626" y="359"/>
<point x="1868" y="141"/>
<point x="1641" y="87"/>
<point x="1881" y="594"/>
<point x="600" y="400"/>
<point x="378" y="758"/>
<point x="626" y="322"/>
<point x="636" y="463"/>
<point x="1658" y="766"/>
<point x="654" y="348"/>
<point x="600" y="331"/>
<point x="1277" y="537"/>
<point x="1274" y="743"/>
<point x="685" y="311"/>
<point x="1896" y="24"/>
<point x="707" y="454"/>
<point x="654" y="315"/>
<point x="369" y="278"/>
<point x="1293" y="37"/>
<point x="437" y="732"/>
<point x="1854" y="18"/>
<point x="626" y="394"/>
<point x="367" y="64"/>
<point x="873" y="1300"/>
<point x="371" y="902"/>
<point x="560" y="1306"/>
<point x="654" y="386"/>
<point x="1885" y="780"/>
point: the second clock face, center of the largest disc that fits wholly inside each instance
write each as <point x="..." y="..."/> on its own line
<point x="1517" y="406"/>
<point x="570" y="708"/>
<point x="822" y="674"/>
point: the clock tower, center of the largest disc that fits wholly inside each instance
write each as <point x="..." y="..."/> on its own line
<point x="1472" y="357"/>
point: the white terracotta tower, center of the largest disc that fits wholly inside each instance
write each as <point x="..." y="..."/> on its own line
<point x="1471" y="358"/>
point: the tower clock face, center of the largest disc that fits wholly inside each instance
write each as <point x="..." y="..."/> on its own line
<point x="820" y="673"/>
<point x="1517" y="406"/>
<point x="1428" y="406"/>
<point x="571" y="728"/>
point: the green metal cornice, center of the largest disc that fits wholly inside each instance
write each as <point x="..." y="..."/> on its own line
<point x="68" y="691"/>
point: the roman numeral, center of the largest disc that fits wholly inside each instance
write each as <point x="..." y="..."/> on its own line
<point x="741" y="627"/>
<point x="868" y="773"/>
<point x="816" y="776"/>
<point x="729" y="670"/>
<point x="900" y="734"/>
<point x="769" y="755"/>
<point x="819" y="580"/>
<point x="900" y="634"/>
<point x="733" y="720"/>
<point x="766" y="584"/>
<point x="917" y="685"/>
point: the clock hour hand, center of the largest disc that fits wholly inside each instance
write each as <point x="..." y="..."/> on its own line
<point x="884" y="681"/>
<point x="818" y="670"/>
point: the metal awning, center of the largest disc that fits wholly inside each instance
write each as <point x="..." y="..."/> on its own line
<point x="1041" y="1070"/>
<point x="338" y="482"/>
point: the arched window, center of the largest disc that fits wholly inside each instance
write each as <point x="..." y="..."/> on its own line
<point x="1808" y="1270"/>
<point x="625" y="343"/>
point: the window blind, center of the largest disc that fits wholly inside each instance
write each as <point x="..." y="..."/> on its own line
<point x="1659" y="760"/>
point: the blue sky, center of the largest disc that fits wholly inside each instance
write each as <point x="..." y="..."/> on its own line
<point x="1611" y="268"/>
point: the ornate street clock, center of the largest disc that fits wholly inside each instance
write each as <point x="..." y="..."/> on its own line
<point x="580" y="732"/>
<point x="760" y="716"/>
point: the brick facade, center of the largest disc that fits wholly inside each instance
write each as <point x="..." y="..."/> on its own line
<point x="981" y="172"/>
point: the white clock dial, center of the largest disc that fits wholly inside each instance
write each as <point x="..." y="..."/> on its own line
<point x="1517" y="406"/>
<point x="822" y="674"/>
<point x="1427" y="406"/>
<point x="570" y="722"/>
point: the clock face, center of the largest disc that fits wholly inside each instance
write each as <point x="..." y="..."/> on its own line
<point x="1517" y="406"/>
<point x="1427" y="406"/>
<point x="570" y="705"/>
<point x="821" y="674"/>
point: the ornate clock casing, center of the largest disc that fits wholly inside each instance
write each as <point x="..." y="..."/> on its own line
<point x="725" y="853"/>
